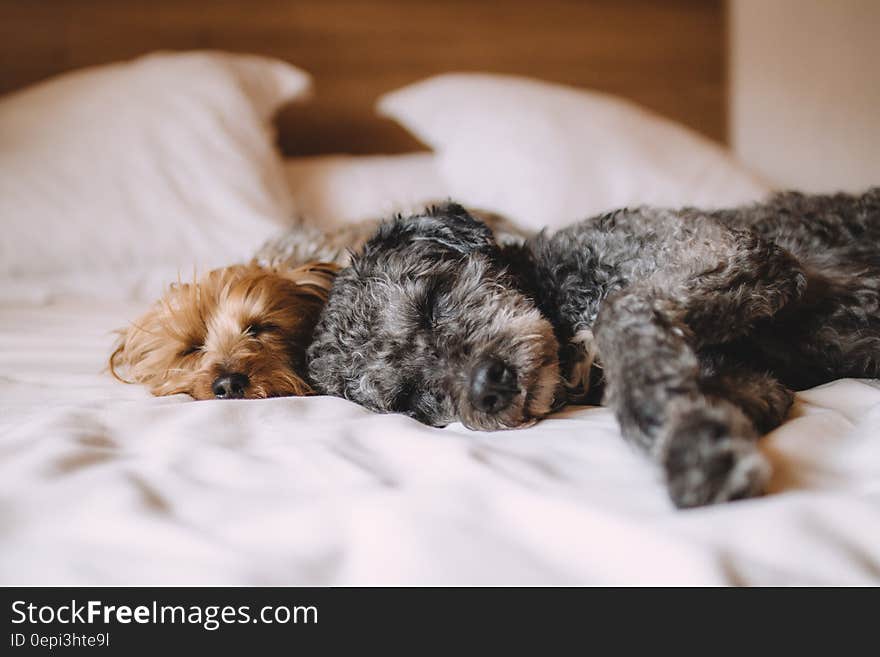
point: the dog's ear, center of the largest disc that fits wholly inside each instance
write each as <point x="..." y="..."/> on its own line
<point x="441" y="228"/>
<point x="314" y="279"/>
<point x="453" y="226"/>
<point x="117" y="359"/>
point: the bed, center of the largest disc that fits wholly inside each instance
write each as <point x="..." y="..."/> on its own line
<point x="103" y="484"/>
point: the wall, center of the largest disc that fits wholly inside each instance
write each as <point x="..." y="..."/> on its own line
<point x="805" y="91"/>
<point x="669" y="56"/>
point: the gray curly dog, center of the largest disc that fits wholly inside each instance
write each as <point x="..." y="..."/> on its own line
<point x="695" y="325"/>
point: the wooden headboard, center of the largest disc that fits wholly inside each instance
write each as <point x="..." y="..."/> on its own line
<point x="670" y="55"/>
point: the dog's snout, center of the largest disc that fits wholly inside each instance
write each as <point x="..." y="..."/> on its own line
<point x="493" y="386"/>
<point x="230" y="386"/>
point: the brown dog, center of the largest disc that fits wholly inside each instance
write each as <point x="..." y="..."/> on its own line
<point x="238" y="332"/>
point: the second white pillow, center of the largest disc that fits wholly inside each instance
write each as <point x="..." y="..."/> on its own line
<point x="546" y="155"/>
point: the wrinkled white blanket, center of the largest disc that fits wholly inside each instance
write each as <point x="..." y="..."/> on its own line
<point x="102" y="484"/>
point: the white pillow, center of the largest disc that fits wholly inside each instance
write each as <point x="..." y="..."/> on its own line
<point x="168" y="159"/>
<point x="545" y="154"/>
<point x="332" y="190"/>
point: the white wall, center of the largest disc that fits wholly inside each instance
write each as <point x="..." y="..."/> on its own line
<point x="805" y="91"/>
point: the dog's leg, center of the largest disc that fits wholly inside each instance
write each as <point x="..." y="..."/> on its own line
<point x="763" y="399"/>
<point x="753" y="282"/>
<point x="705" y="443"/>
<point x="700" y="446"/>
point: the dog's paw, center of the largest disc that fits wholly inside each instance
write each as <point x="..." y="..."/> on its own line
<point x="706" y="461"/>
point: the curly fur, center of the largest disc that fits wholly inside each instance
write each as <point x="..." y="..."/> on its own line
<point x="407" y="323"/>
<point x="696" y="325"/>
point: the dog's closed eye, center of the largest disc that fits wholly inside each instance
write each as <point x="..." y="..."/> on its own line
<point x="406" y="398"/>
<point x="190" y="350"/>
<point x="426" y="309"/>
<point x="412" y="400"/>
<point x="430" y="305"/>
<point x="259" y="328"/>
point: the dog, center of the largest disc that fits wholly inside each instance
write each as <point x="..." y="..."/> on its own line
<point x="240" y="332"/>
<point x="694" y="326"/>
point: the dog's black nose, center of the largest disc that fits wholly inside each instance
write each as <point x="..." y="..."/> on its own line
<point x="493" y="386"/>
<point x="230" y="386"/>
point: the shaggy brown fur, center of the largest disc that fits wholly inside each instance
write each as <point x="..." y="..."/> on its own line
<point x="246" y="321"/>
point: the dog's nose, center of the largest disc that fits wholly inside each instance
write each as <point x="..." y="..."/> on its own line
<point x="230" y="386"/>
<point x="493" y="386"/>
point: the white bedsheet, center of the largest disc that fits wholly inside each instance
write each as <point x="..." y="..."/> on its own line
<point x="102" y="484"/>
